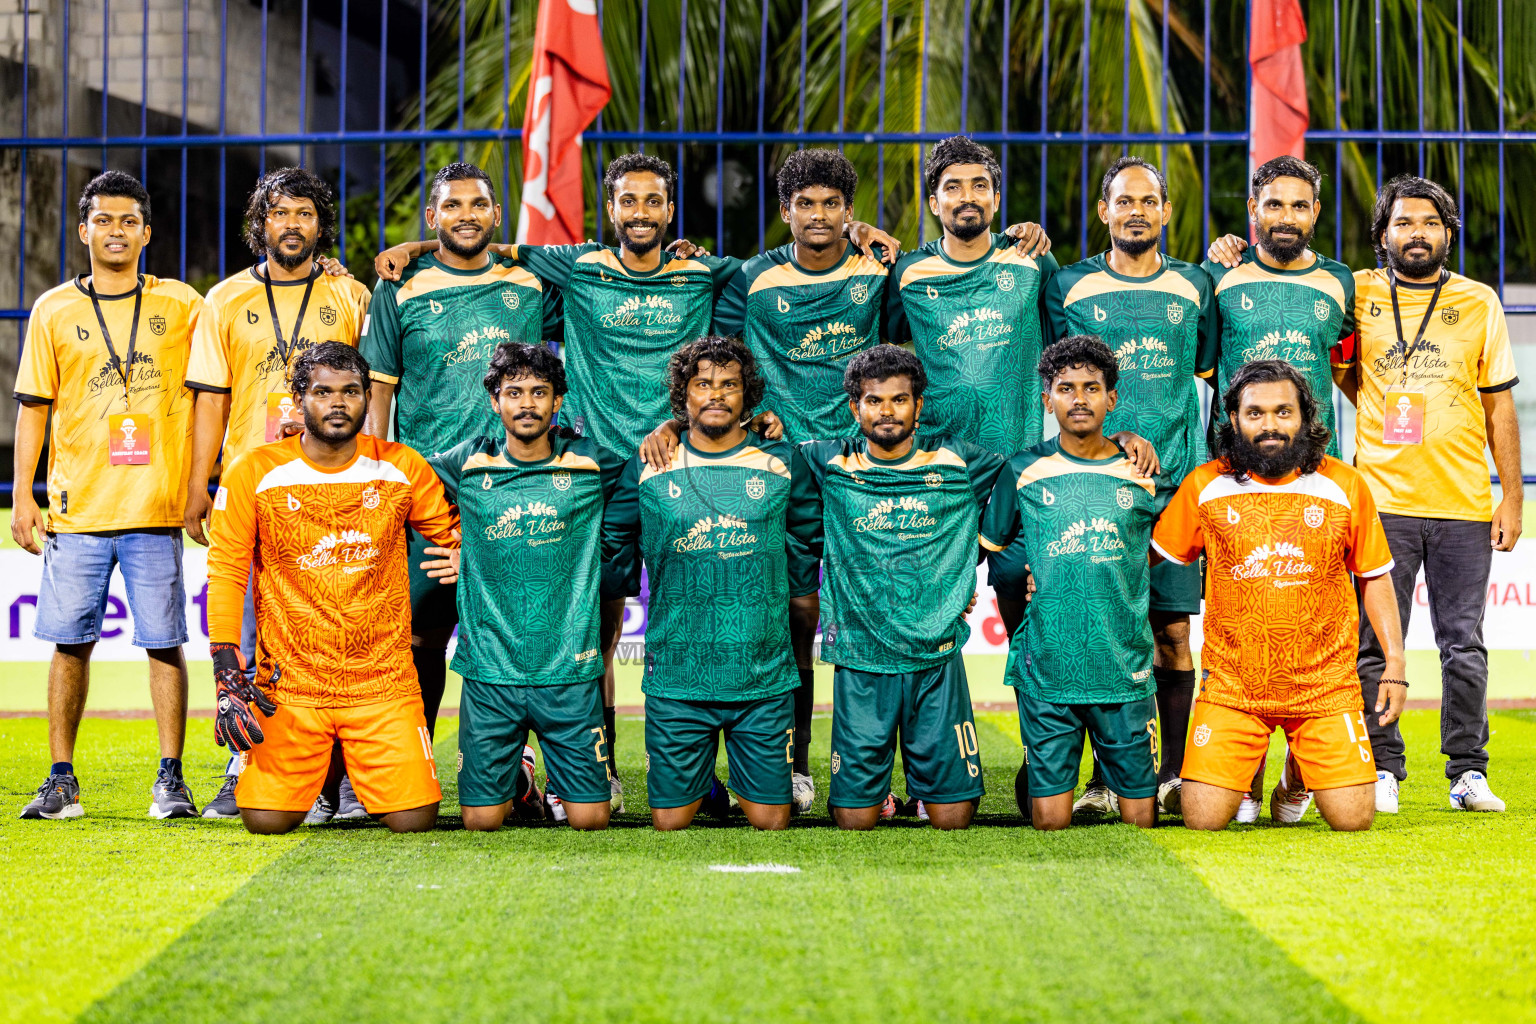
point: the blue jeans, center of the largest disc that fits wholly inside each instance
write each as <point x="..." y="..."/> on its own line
<point x="77" y="568"/>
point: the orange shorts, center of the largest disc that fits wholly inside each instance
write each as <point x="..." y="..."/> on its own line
<point x="1226" y="746"/>
<point x="386" y="746"/>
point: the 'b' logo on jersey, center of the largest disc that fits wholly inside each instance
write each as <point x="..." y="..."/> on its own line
<point x="783" y="306"/>
<point x="485" y="482"/>
<point x="674" y="491"/>
<point x="1046" y="497"/>
<point x="1246" y="302"/>
<point x="434" y="305"/>
<point x="1176" y="313"/>
<point x="251" y="317"/>
<point x="293" y="503"/>
<point x="1232" y="516"/>
<point x="932" y="293"/>
<point x="1099" y="314"/>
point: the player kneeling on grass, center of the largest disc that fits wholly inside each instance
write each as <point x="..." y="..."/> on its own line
<point x="900" y="511"/>
<point x="1081" y="661"/>
<point x="531" y="504"/>
<point x="1283" y="526"/>
<point x="730" y="530"/>
<point x="322" y="516"/>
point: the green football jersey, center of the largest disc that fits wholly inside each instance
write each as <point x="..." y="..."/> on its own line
<point x="727" y="538"/>
<point x="900" y="551"/>
<point x="1086" y="526"/>
<point x="621" y="328"/>
<point x="530" y="569"/>
<point x="803" y="326"/>
<point x="433" y="331"/>
<point x="1156" y="327"/>
<point x="978" y="329"/>
<point x="1265" y="312"/>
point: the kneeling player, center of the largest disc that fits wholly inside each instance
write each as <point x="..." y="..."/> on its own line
<point x="1283" y="526"/>
<point x="900" y="514"/>
<point x="1081" y="661"/>
<point x="322" y="516"/>
<point x="730" y="530"/>
<point x="532" y="506"/>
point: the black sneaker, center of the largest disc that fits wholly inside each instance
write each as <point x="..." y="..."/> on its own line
<point x="223" y="805"/>
<point x="348" y="806"/>
<point x="717" y="803"/>
<point x="57" y="798"/>
<point x="170" y="797"/>
<point x="322" y="811"/>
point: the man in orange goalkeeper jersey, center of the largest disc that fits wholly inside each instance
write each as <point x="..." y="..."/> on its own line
<point x="322" y="516"/>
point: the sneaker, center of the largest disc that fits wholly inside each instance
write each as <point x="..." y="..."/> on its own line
<point x="1021" y="791"/>
<point x="1470" y="792"/>
<point x="922" y="812"/>
<point x="615" y="795"/>
<point x="1097" y="799"/>
<point x="888" y="809"/>
<point x="908" y="808"/>
<point x="223" y="805"/>
<point x="348" y="806"/>
<point x="802" y="794"/>
<point x="322" y="812"/>
<point x="57" y="798"/>
<point x="169" y="797"/>
<point x="717" y="802"/>
<point x="531" y="803"/>
<point x="1289" y="800"/>
<point x="1386" y="793"/>
<point x="1169" y="796"/>
<point x="1248" y="810"/>
<point x="555" y="807"/>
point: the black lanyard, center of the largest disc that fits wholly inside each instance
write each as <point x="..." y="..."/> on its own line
<point x="1397" y="319"/>
<point x="285" y="348"/>
<point x="123" y="370"/>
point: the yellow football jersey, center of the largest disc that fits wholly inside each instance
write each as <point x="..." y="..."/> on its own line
<point x="118" y="458"/>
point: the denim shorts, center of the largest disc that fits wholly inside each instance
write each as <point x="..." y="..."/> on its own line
<point x="77" y="568"/>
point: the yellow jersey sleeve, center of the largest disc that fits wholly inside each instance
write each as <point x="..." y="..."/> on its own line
<point x="208" y="367"/>
<point x="37" y="378"/>
<point x="1496" y="366"/>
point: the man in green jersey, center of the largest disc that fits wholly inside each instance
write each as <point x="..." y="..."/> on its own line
<point x="730" y="532"/>
<point x="1081" y="662"/>
<point x="900" y="512"/>
<point x="428" y="337"/>
<point x="531" y="504"/>
<point x="1154" y="312"/>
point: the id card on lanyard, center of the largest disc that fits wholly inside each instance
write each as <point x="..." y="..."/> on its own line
<point x="129" y="434"/>
<point x="1402" y="414"/>
<point x="281" y="408"/>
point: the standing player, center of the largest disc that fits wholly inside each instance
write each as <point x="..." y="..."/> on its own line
<point x="1081" y="662"/>
<point x="103" y="365"/>
<point x="1155" y="313"/>
<point x="253" y="325"/>
<point x="429" y="335"/>
<point x="532" y="505"/>
<point x="1283" y="526"/>
<point x="322" y="517"/>
<point x="900" y="514"/>
<point x="730" y="533"/>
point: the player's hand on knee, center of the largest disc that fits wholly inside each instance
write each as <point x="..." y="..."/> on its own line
<point x="1140" y="451"/>
<point x="235" y="726"/>
<point x="1227" y="250"/>
<point x="1030" y="238"/>
<point x="768" y="424"/>
<point x="657" y="447"/>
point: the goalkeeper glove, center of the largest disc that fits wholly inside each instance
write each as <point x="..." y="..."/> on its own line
<point x="235" y="726"/>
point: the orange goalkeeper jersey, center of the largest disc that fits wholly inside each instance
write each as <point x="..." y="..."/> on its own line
<point x="1281" y="626"/>
<point x="333" y="610"/>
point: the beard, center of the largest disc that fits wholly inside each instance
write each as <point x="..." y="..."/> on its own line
<point x="1246" y="457"/>
<point x="638" y="248"/>
<point x="1134" y="246"/>
<point x="1417" y="266"/>
<point x="967" y="231"/>
<point x="526" y="430"/>
<point x="882" y="433"/>
<point x="322" y="429"/>
<point x="715" y="431"/>
<point x="288" y="261"/>
<point x="464" y="252"/>
<point x="1286" y="250"/>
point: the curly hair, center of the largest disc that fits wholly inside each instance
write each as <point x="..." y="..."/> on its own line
<point x="512" y="360"/>
<point x="1313" y="434"/>
<point x="710" y="348"/>
<point x="643" y="163"/>
<point x="1079" y="350"/>
<point x="882" y="362"/>
<point x="117" y="184"/>
<point x="959" y="149"/>
<point x="1285" y="166"/>
<point x="1408" y="186"/>
<point x="807" y="168"/>
<point x="295" y="183"/>
<point x="1126" y="163"/>
<point x="334" y="355"/>
<point x="459" y="171"/>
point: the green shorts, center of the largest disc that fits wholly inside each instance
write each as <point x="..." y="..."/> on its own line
<point x="1008" y="573"/>
<point x="1176" y="588"/>
<point x="1124" y="738"/>
<point x="682" y="738"/>
<point x="929" y="710"/>
<point x="494" y="723"/>
<point x="433" y="606"/>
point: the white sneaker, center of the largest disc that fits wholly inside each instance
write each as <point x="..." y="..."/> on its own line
<point x="1170" y="795"/>
<point x="1248" y="810"/>
<point x="802" y="793"/>
<point x="555" y="807"/>
<point x="615" y="795"/>
<point x="1386" y="793"/>
<point x="1289" y="802"/>
<point x="922" y="812"/>
<point x="1470" y="792"/>
<point x="1097" y="800"/>
<point x="321" y="812"/>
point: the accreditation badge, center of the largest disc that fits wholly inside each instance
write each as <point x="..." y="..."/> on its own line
<point x="128" y="438"/>
<point x="281" y="409"/>
<point x="1402" y="420"/>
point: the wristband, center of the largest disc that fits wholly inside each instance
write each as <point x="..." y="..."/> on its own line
<point x="1393" y="682"/>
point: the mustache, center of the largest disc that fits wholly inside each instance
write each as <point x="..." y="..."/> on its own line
<point x="968" y="206"/>
<point x="1270" y="435"/>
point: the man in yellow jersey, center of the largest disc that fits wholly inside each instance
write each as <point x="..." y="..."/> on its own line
<point x="254" y="325"/>
<point x="103" y="365"/>
<point x="1431" y="381"/>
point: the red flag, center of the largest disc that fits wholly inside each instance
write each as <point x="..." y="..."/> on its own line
<point x="567" y="88"/>
<point x="1278" y="104"/>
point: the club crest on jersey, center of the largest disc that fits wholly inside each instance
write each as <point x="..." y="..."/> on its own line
<point x="1243" y="301"/>
<point x="561" y="480"/>
<point x="933" y="480"/>
<point x="328" y="316"/>
<point x="1202" y="734"/>
<point x="679" y="280"/>
<point x="756" y="488"/>
<point x="1320" y="309"/>
<point x="1005" y="280"/>
<point x="837" y="762"/>
<point x="1175" y="313"/>
<point x="157" y="325"/>
<point x="1313" y="516"/>
<point x="370" y="497"/>
<point x="1449" y="315"/>
<point x="485" y="482"/>
<point x="1123" y="497"/>
<point x="859" y="293"/>
<point x="510" y="298"/>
